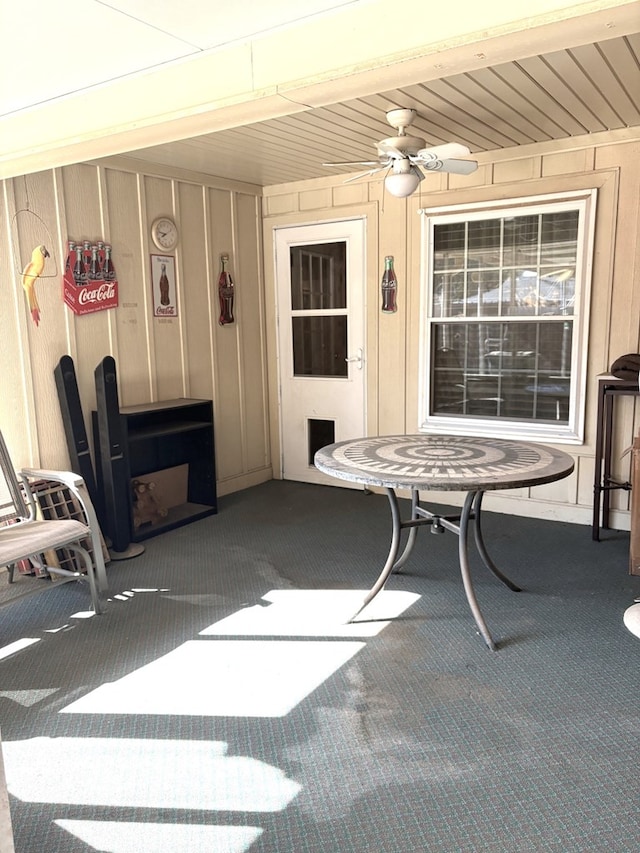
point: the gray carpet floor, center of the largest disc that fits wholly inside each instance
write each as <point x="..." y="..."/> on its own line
<point x="221" y="705"/>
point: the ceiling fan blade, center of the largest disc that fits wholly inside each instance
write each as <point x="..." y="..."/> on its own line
<point x="365" y="174"/>
<point x="456" y="167"/>
<point x="390" y="151"/>
<point x="442" y="152"/>
<point x="356" y="163"/>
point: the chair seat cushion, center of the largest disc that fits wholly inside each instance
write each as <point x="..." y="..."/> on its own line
<point x="19" y="541"/>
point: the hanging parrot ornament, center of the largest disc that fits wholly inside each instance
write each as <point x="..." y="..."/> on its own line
<point x="30" y="275"/>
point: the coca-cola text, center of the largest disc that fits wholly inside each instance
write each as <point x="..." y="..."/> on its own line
<point x="103" y="293"/>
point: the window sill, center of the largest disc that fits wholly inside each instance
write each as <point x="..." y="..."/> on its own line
<point x="546" y="434"/>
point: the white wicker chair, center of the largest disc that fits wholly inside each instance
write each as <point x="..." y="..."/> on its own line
<point x="25" y="535"/>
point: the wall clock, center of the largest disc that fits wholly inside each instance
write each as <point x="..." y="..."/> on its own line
<point x="164" y="233"/>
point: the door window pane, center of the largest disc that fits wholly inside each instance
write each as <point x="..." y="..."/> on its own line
<point x="318" y="277"/>
<point x="320" y="346"/>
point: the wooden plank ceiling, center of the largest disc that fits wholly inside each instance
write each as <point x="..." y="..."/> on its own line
<point x="582" y="90"/>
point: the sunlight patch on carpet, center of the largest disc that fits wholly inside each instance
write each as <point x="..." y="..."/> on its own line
<point x="150" y="774"/>
<point x="314" y="613"/>
<point x="222" y="678"/>
<point x="160" y="837"/>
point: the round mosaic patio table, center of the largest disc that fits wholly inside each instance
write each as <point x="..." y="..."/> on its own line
<point x="442" y="463"/>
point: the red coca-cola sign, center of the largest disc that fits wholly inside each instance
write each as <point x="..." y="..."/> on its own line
<point x="89" y="282"/>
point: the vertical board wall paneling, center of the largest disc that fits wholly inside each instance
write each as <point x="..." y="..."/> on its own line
<point x="131" y="345"/>
<point x="194" y="298"/>
<point x="626" y="279"/>
<point x="46" y="342"/>
<point x="624" y="296"/>
<point x="166" y="338"/>
<point x="392" y="327"/>
<point x="250" y="316"/>
<point x="92" y="332"/>
<point x="17" y="406"/>
<point x="228" y="409"/>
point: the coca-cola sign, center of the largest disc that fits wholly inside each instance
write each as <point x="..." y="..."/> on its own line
<point x="89" y="282"/>
<point x="163" y="282"/>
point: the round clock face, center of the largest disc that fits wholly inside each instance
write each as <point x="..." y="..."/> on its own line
<point x="164" y="233"/>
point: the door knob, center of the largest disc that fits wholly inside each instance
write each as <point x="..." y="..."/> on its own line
<point x="356" y="359"/>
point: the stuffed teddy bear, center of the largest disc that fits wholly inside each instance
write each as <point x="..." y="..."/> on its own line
<point x="146" y="506"/>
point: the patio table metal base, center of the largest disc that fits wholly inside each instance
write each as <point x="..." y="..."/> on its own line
<point x="442" y="463"/>
<point x="459" y="524"/>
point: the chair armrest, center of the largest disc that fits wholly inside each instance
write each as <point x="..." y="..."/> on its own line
<point x="75" y="484"/>
<point x="67" y="478"/>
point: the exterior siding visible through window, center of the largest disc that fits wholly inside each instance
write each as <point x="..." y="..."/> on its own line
<point x="506" y="296"/>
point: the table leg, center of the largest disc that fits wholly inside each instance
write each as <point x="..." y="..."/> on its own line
<point x="466" y="574"/>
<point x="393" y="552"/>
<point x="482" y="548"/>
<point x="472" y="510"/>
<point x="411" y="539"/>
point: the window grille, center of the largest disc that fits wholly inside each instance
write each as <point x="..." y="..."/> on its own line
<point x="506" y="310"/>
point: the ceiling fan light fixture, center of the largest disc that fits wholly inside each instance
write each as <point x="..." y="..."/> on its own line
<point x="402" y="184"/>
<point x="407" y="161"/>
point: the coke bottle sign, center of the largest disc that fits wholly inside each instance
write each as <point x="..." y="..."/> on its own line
<point x="89" y="282"/>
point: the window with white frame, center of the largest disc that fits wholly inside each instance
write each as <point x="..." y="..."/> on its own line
<point x="504" y="339"/>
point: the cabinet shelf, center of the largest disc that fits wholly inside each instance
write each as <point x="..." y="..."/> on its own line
<point x="177" y="516"/>
<point x="137" y="433"/>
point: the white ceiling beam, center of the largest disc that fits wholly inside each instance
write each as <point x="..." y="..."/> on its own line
<point x="358" y="50"/>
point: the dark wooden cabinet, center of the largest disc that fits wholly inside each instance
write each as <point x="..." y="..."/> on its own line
<point x="170" y="445"/>
<point x="168" y="452"/>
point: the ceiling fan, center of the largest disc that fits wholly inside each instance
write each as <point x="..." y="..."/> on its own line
<point x="404" y="157"/>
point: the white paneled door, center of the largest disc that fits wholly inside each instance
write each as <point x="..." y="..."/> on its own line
<point x="320" y="272"/>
